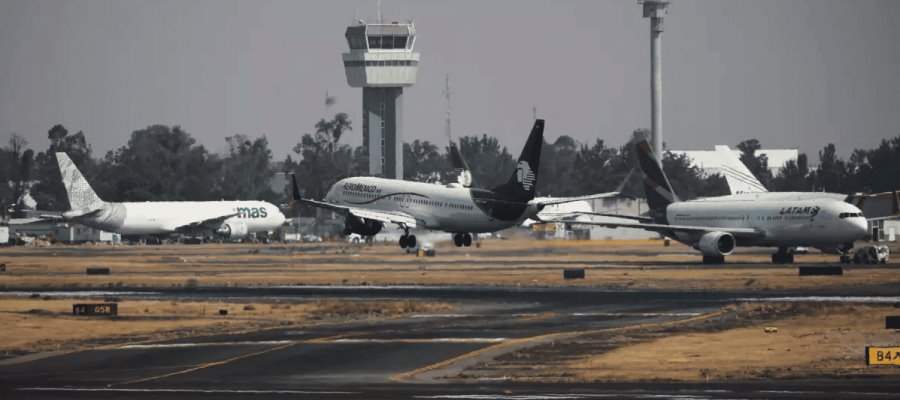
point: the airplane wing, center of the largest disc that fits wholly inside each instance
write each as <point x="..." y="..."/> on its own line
<point x="401" y="219"/>
<point x="623" y="216"/>
<point x="215" y="221"/>
<point x="561" y="200"/>
<point x="748" y="233"/>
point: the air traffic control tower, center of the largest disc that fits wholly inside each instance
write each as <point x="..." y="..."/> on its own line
<point x="381" y="61"/>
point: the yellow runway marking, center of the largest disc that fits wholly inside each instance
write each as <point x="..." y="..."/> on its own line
<point x="202" y="366"/>
<point x="409" y="374"/>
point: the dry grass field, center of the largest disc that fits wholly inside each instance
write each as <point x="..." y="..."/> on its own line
<point x="633" y="264"/>
<point x="32" y="325"/>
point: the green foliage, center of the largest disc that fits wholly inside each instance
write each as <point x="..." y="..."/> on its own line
<point x="758" y="165"/>
<point x="688" y="182"/>
<point x="422" y="162"/>
<point x="491" y="164"/>
<point x="48" y="191"/>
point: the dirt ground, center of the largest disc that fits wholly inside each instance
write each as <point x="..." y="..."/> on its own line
<point x="812" y="340"/>
<point x="632" y="264"/>
<point x="32" y="325"/>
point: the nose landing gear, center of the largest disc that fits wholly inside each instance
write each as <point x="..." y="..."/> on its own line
<point x="462" y="239"/>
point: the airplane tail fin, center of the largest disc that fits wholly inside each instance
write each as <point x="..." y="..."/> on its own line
<point x="523" y="182"/>
<point x="295" y="192"/>
<point x="460" y="168"/>
<point x="656" y="185"/>
<point x="81" y="195"/>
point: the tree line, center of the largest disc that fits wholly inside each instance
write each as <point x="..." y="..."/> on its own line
<point x="165" y="163"/>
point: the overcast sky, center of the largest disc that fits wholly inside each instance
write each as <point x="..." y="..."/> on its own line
<point x="792" y="73"/>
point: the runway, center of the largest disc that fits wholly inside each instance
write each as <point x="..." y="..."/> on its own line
<point x="407" y="357"/>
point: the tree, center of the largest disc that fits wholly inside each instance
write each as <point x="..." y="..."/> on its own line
<point x="794" y="177"/>
<point x="423" y="162"/>
<point x="687" y="180"/>
<point x="48" y="190"/>
<point x="323" y="160"/>
<point x="247" y="170"/>
<point x="160" y="163"/>
<point x="832" y="171"/>
<point x="491" y="164"/>
<point x="758" y="165"/>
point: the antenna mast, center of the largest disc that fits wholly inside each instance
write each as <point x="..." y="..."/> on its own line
<point x="447" y="96"/>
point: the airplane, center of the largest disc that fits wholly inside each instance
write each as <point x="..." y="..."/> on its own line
<point x="717" y="225"/>
<point x="369" y="203"/>
<point x="226" y="219"/>
<point x="743" y="185"/>
<point x="463" y="176"/>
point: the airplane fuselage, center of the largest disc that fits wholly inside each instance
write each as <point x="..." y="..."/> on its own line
<point x="436" y="207"/>
<point x="152" y="218"/>
<point x="817" y="222"/>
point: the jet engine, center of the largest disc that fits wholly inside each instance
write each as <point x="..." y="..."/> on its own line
<point x="716" y="244"/>
<point x="361" y="226"/>
<point x="232" y="231"/>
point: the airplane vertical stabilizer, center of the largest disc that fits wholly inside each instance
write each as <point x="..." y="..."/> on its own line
<point x="81" y="195"/>
<point x="656" y="185"/>
<point x="522" y="184"/>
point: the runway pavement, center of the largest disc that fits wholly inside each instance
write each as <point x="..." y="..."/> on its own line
<point x="389" y="358"/>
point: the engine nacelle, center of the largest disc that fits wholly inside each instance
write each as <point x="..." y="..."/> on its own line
<point x="232" y="231"/>
<point x="365" y="227"/>
<point x="716" y="244"/>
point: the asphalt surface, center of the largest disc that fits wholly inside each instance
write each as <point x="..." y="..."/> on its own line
<point x="393" y="358"/>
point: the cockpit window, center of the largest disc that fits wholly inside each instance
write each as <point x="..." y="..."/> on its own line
<point x="850" y="215"/>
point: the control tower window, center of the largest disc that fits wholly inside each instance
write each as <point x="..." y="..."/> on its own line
<point x="399" y="42"/>
<point x="356" y="42"/>
<point x="374" y="42"/>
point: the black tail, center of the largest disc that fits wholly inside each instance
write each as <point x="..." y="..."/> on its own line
<point x="295" y="193"/>
<point x="521" y="185"/>
<point x="460" y="169"/>
<point x="656" y="185"/>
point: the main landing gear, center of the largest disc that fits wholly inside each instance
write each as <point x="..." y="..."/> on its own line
<point x="783" y="256"/>
<point x="714" y="259"/>
<point x="462" y="239"/>
<point x="407" y="240"/>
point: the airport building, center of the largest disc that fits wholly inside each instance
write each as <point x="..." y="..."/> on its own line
<point x="382" y="62"/>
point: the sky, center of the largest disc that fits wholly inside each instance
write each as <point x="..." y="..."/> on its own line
<point x="791" y="73"/>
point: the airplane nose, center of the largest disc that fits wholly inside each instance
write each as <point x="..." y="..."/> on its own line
<point x="861" y="227"/>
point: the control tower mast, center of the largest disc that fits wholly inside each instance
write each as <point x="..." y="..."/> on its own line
<point x="381" y="61"/>
<point x="655" y="10"/>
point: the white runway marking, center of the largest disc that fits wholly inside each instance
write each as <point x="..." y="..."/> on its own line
<point x="837" y="299"/>
<point x="425" y="340"/>
<point x="440" y="315"/>
<point x="601" y="314"/>
<point x="199" y="344"/>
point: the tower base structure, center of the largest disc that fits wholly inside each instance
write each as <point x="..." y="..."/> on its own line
<point x="382" y="131"/>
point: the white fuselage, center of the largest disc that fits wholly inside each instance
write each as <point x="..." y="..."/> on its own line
<point x="152" y="218"/>
<point x="815" y="222"/>
<point x="445" y="208"/>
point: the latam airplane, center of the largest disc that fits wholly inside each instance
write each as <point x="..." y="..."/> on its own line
<point x="717" y="225"/>
<point x="226" y="219"/>
<point x="745" y="186"/>
<point x="369" y="203"/>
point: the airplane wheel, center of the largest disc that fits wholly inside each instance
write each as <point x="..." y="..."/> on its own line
<point x="403" y="241"/>
<point x="457" y="240"/>
<point x="466" y="239"/>
<point x="411" y="241"/>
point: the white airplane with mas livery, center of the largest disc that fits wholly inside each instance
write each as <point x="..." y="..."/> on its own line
<point x="369" y="203"/>
<point x="717" y="225"/>
<point x="225" y="219"/>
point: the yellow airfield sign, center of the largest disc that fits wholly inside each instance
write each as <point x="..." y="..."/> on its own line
<point x="882" y="355"/>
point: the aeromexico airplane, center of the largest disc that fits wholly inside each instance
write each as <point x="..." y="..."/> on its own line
<point x="717" y="225"/>
<point x="226" y="219"/>
<point x="369" y="203"/>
